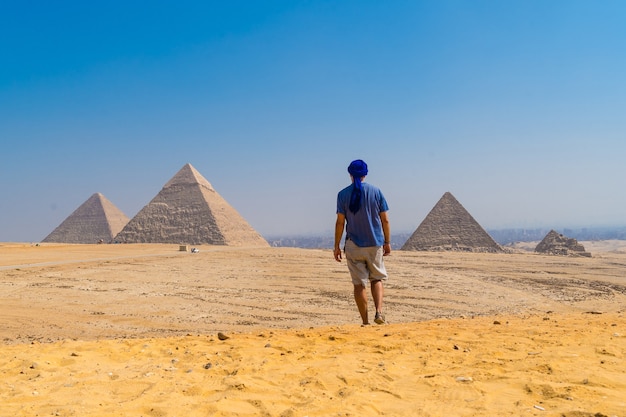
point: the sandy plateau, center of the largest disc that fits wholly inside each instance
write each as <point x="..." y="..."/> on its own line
<point x="148" y="330"/>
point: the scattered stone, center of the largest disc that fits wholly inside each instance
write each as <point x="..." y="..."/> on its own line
<point x="207" y="365"/>
<point x="464" y="379"/>
<point x="222" y="336"/>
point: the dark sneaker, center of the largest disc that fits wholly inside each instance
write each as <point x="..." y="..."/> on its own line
<point x="379" y="319"/>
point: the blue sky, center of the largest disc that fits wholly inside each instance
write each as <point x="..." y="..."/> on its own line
<point x="516" y="107"/>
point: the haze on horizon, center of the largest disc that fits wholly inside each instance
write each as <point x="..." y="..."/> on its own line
<point x="516" y="108"/>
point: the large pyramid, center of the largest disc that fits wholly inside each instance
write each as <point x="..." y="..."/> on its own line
<point x="96" y="220"/>
<point x="188" y="210"/>
<point x="449" y="226"/>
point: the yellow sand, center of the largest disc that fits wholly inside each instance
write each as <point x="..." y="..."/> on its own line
<point x="108" y="330"/>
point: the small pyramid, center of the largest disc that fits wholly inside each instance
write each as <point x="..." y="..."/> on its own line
<point x="449" y="226"/>
<point x="555" y="243"/>
<point x="97" y="220"/>
<point x="188" y="210"/>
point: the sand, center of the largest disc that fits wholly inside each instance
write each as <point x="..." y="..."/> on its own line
<point x="118" y="330"/>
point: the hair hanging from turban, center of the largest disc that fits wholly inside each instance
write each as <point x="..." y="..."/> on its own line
<point x="358" y="169"/>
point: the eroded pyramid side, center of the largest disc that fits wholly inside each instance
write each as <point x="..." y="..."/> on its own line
<point x="188" y="210"/>
<point x="449" y="226"/>
<point x="554" y="243"/>
<point x="97" y="220"/>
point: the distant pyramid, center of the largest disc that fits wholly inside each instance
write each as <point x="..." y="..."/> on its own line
<point x="188" y="210"/>
<point x="96" y="220"/>
<point x="555" y="243"/>
<point x="449" y="226"/>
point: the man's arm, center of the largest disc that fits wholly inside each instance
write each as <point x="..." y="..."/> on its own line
<point x="384" y="219"/>
<point x="339" y="224"/>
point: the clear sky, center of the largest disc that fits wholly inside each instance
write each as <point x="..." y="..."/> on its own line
<point x="518" y="108"/>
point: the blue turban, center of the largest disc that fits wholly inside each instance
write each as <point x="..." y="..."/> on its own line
<point x="357" y="169"/>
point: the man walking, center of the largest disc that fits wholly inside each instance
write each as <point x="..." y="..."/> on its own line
<point x="362" y="208"/>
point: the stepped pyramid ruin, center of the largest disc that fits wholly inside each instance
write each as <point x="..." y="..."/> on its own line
<point x="555" y="243"/>
<point x="97" y="220"/>
<point x="449" y="226"/>
<point x="188" y="210"/>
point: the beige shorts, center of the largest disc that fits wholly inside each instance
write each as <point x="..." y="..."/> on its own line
<point x="365" y="264"/>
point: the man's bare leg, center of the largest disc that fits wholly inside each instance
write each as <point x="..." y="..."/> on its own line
<point x="377" y="295"/>
<point x="360" y="296"/>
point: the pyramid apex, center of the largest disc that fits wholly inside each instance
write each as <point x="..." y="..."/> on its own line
<point x="188" y="175"/>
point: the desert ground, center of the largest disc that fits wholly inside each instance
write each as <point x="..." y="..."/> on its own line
<point x="149" y="330"/>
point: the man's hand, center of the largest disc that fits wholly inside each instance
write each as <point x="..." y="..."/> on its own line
<point x="387" y="249"/>
<point x="341" y="220"/>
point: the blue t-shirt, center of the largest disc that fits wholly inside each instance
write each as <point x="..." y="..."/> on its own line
<point x="364" y="228"/>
